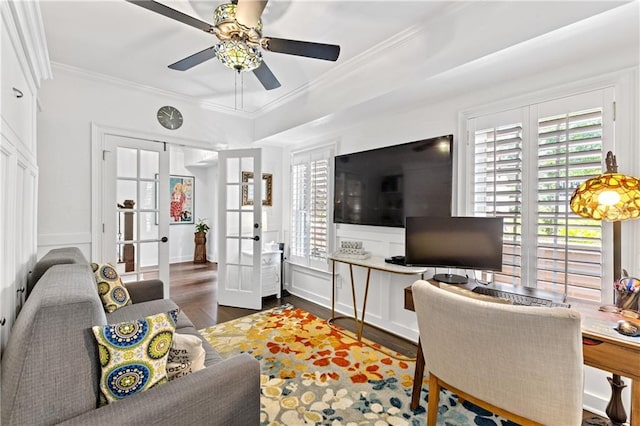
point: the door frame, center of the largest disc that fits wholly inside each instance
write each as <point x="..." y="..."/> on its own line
<point x="247" y="299"/>
<point x="98" y="134"/>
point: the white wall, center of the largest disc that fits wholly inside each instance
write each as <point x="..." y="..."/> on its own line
<point x="433" y="107"/>
<point x="69" y="104"/>
<point x="181" y="236"/>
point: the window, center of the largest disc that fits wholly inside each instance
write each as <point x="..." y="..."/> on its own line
<point x="526" y="164"/>
<point x="310" y="204"/>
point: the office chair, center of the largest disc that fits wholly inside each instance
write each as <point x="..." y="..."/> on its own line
<point x="522" y="363"/>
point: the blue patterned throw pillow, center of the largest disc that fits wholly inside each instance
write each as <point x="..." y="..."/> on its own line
<point x="113" y="293"/>
<point x="133" y="355"/>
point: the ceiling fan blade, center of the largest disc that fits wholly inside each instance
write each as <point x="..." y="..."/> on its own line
<point x="266" y="77"/>
<point x="328" y="52"/>
<point x="195" y="59"/>
<point x="160" y="8"/>
<point x="248" y="12"/>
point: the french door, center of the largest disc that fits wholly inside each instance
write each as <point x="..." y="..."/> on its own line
<point x="239" y="222"/>
<point x="135" y="208"/>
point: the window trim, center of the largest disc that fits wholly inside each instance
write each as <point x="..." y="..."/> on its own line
<point x="622" y="84"/>
<point x="330" y="149"/>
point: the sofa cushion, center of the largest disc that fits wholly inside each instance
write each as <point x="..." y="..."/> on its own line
<point x="50" y="348"/>
<point x="113" y="293"/>
<point x="145" y="309"/>
<point x="185" y="356"/>
<point x="60" y="256"/>
<point x="133" y="355"/>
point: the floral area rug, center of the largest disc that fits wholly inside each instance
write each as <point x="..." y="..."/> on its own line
<point x="311" y="374"/>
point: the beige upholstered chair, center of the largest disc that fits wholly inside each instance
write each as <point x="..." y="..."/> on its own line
<point x="522" y="363"/>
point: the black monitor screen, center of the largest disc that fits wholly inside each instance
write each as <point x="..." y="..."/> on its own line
<point x="454" y="242"/>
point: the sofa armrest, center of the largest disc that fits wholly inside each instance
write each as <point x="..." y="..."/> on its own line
<point x="144" y="291"/>
<point x="222" y="394"/>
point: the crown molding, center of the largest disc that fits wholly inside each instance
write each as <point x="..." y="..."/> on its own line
<point x="27" y="19"/>
<point x="359" y="63"/>
<point x="342" y="72"/>
<point x="130" y="85"/>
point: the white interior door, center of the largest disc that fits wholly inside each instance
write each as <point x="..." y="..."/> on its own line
<point x="135" y="208"/>
<point x="239" y="222"/>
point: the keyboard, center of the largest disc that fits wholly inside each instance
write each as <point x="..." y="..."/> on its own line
<point x="520" y="299"/>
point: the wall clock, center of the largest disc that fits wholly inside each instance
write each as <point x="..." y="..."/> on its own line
<point x="169" y="117"/>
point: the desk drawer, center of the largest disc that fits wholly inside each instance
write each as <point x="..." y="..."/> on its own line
<point x="614" y="358"/>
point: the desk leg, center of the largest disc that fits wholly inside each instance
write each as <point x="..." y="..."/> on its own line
<point x="333" y="289"/>
<point x="635" y="403"/>
<point x="615" y="409"/>
<point x="418" y="376"/>
<point x="353" y="296"/>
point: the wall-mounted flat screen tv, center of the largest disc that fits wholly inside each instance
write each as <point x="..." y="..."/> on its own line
<point x="382" y="186"/>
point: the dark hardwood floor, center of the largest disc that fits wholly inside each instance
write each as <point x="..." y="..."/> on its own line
<point x="194" y="287"/>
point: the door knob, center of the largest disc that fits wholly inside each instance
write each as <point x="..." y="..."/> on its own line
<point x="255" y="238"/>
<point x="164" y="239"/>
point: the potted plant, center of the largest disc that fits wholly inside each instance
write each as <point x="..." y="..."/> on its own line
<point x="200" y="253"/>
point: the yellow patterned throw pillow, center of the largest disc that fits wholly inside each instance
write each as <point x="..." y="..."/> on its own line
<point x="133" y="355"/>
<point x="113" y="293"/>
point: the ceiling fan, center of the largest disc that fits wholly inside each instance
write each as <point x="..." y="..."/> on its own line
<point x="239" y="28"/>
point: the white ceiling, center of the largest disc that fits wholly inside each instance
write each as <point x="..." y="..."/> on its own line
<point x="123" y="40"/>
<point x="392" y="52"/>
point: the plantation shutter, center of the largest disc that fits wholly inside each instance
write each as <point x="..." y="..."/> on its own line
<point x="310" y="186"/>
<point x="498" y="190"/>
<point x="319" y="204"/>
<point x="526" y="164"/>
<point x="299" y="197"/>
<point x="569" y="247"/>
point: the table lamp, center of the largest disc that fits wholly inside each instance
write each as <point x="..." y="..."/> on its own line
<point x="612" y="197"/>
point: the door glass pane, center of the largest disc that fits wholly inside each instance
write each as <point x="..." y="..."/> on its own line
<point x="126" y="190"/>
<point x="233" y="170"/>
<point x="233" y="224"/>
<point x="247" y="224"/>
<point x="233" y="197"/>
<point x="126" y="226"/>
<point x="126" y="258"/>
<point x="147" y="196"/>
<point x="247" y="252"/>
<point x="246" y="257"/>
<point x="233" y="248"/>
<point x="149" y="161"/>
<point x="148" y="256"/>
<point x="233" y="277"/>
<point x="246" y="281"/>
<point x="247" y="164"/>
<point x="148" y="226"/>
<point x="127" y="162"/>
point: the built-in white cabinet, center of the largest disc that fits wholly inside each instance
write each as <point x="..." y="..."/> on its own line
<point x="24" y="63"/>
<point x="270" y="271"/>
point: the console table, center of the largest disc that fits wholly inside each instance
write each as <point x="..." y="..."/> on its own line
<point x="374" y="263"/>
<point x="602" y="348"/>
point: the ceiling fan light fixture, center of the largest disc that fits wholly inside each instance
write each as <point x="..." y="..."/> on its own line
<point x="226" y="14"/>
<point x="238" y="55"/>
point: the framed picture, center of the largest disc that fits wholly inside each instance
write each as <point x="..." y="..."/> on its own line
<point x="182" y="194"/>
<point x="247" y="190"/>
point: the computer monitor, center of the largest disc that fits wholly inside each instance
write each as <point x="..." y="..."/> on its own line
<point x="454" y="242"/>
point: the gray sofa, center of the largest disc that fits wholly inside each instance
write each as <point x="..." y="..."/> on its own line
<point x="50" y="368"/>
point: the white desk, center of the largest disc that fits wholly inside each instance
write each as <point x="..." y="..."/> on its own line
<point x="375" y="263"/>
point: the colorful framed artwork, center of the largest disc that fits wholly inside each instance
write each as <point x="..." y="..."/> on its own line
<point x="182" y="194"/>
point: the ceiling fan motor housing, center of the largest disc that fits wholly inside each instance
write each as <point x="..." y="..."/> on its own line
<point x="226" y="26"/>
